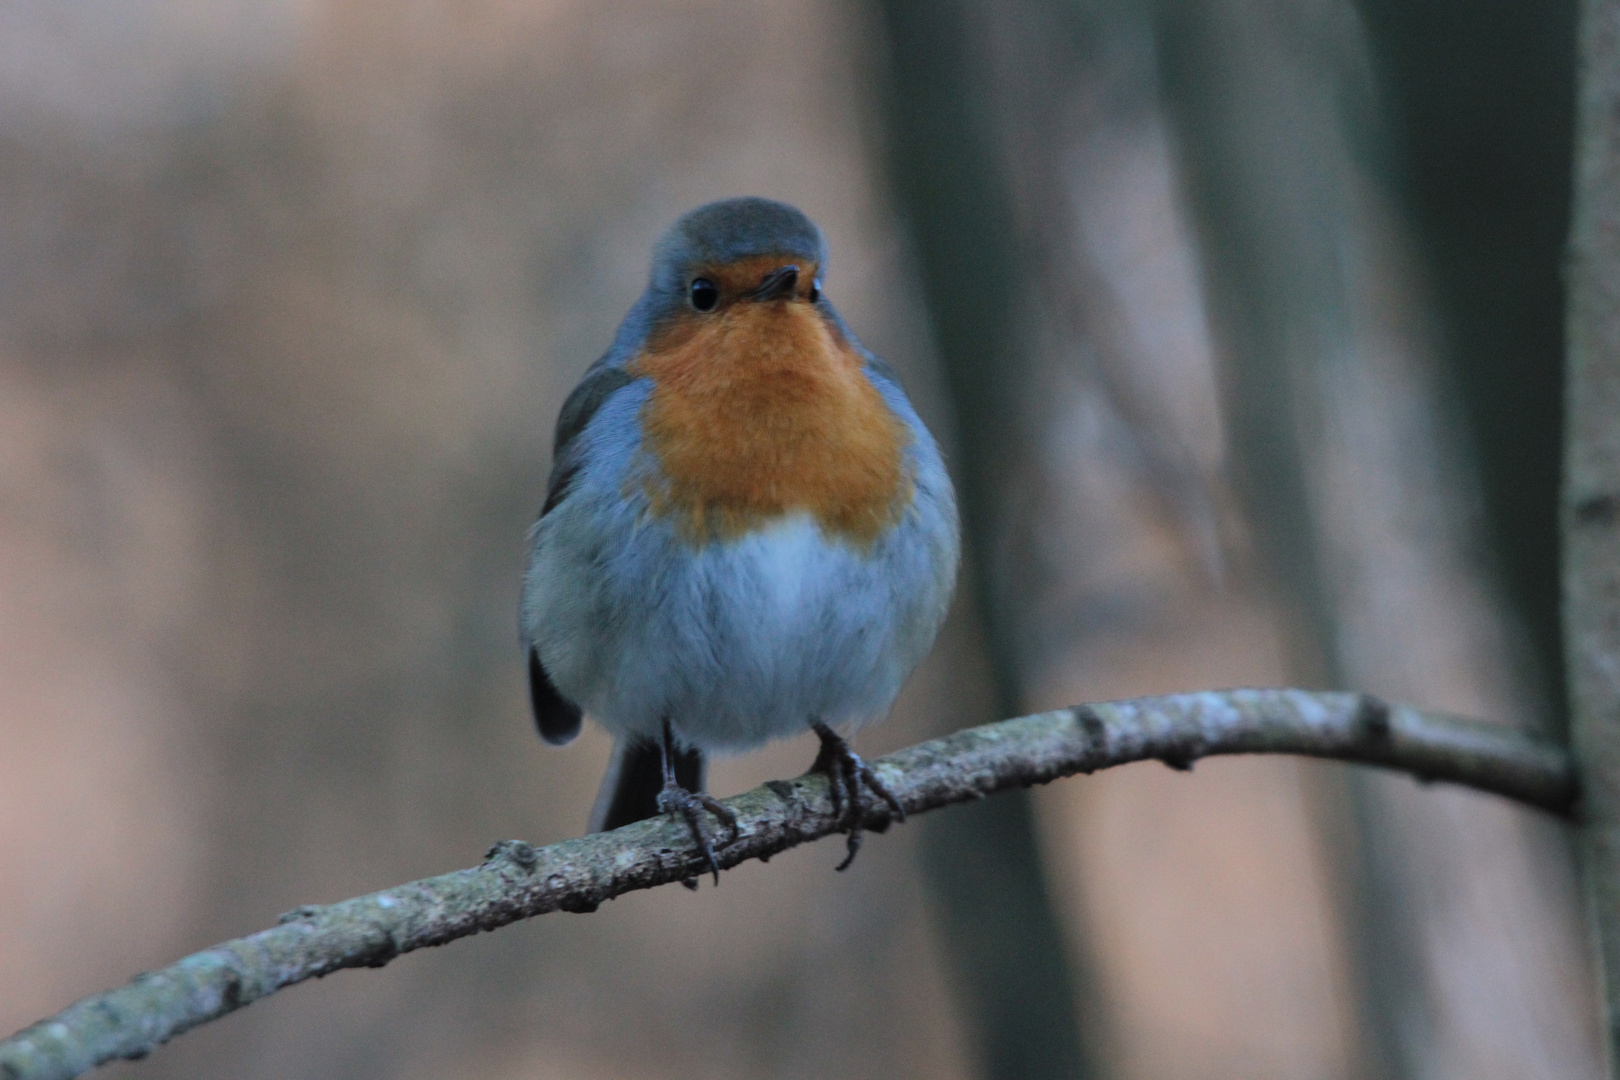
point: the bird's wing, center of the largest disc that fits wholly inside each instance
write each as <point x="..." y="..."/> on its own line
<point x="557" y="717"/>
<point x="593" y="390"/>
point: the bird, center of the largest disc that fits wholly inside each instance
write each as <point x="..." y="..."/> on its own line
<point x="747" y="531"/>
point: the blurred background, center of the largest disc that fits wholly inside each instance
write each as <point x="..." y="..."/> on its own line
<point x="1240" y="318"/>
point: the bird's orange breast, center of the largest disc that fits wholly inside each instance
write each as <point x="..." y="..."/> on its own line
<point x="761" y="410"/>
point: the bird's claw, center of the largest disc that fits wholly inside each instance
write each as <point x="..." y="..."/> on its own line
<point x="847" y="772"/>
<point x="690" y="805"/>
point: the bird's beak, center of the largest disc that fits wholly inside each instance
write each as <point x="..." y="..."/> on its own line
<point x="778" y="284"/>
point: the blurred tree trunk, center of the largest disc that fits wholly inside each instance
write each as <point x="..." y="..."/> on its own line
<point x="1591" y="495"/>
<point x="1263" y="169"/>
<point x="1359" y="500"/>
<point x="1004" y="937"/>
<point x="1480" y="101"/>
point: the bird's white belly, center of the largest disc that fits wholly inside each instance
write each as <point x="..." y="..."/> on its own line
<point x="788" y="563"/>
<point x="747" y="640"/>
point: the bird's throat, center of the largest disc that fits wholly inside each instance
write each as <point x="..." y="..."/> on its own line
<point x="762" y="411"/>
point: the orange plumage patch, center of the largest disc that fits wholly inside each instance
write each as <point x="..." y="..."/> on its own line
<point x="761" y="409"/>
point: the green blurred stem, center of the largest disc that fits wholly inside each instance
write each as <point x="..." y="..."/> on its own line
<point x="1591" y="493"/>
<point x="519" y="881"/>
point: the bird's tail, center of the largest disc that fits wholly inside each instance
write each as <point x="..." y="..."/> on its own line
<point x="635" y="776"/>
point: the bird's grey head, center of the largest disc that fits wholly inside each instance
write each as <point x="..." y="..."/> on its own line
<point x="722" y="233"/>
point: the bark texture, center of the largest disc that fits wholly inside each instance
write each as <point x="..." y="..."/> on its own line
<point x="518" y="881"/>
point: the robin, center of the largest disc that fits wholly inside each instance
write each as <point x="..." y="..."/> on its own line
<point x="747" y="531"/>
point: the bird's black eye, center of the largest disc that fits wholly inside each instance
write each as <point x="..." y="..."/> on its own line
<point x="815" y="289"/>
<point x="705" y="294"/>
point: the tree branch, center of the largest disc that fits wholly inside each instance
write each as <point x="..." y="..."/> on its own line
<point x="518" y="881"/>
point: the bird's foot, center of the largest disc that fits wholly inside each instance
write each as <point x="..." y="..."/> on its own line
<point x="690" y="805"/>
<point x="848" y="772"/>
